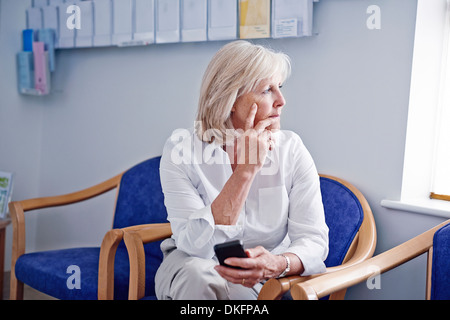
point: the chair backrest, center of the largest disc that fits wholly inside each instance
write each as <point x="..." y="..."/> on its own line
<point x="440" y="274"/>
<point x="343" y="215"/>
<point x="140" y="199"/>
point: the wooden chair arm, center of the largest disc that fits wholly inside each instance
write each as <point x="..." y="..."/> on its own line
<point x="135" y="237"/>
<point x="324" y="285"/>
<point x="46" y="202"/>
<point x="150" y="232"/>
<point x="18" y="208"/>
<point x="274" y="289"/>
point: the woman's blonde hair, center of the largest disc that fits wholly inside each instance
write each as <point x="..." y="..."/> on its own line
<point x="235" y="69"/>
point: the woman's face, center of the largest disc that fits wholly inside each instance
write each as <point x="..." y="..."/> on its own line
<point x="269" y="99"/>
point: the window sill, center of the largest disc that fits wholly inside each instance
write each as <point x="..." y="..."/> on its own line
<point x="431" y="207"/>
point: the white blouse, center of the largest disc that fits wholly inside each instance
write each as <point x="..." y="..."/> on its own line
<point x="283" y="211"/>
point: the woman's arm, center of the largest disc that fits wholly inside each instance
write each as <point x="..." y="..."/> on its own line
<point x="248" y="157"/>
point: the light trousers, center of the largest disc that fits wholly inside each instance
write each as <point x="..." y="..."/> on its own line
<point x="183" y="277"/>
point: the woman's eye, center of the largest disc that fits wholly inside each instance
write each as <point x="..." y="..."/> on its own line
<point x="268" y="90"/>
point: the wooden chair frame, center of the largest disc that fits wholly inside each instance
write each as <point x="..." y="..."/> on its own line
<point x="135" y="237"/>
<point x="361" y="249"/>
<point x="107" y="250"/>
<point x="328" y="284"/>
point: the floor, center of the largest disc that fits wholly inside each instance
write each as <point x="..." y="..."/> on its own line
<point x="28" y="292"/>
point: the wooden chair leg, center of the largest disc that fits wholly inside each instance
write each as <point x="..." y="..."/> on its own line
<point x="16" y="288"/>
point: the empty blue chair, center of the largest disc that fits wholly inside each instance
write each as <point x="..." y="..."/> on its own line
<point x="97" y="272"/>
<point x="440" y="270"/>
<point x="435" y="242"/>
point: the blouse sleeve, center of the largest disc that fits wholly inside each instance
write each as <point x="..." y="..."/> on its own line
<point x="306" y="223"/>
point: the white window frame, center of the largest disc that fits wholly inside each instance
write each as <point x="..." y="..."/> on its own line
<point x="429" y="43"/>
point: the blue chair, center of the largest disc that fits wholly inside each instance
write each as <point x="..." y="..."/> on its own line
<point x="103" y="272"/>
<point x="352" y="239"/>
<point x="435" y="242"/>
<point x="440" y="271"/>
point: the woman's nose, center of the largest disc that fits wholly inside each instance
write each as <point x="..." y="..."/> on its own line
<point x="280" y="101"/>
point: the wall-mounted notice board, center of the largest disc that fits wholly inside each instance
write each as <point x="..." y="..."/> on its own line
<point x="66" y="24"/>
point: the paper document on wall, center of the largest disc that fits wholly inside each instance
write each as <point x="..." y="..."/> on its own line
<point x="193" y="20"/>
<point x="25" y="72"/>
<point x="144" y="24"/>
<point x="102" y="23"/>
<point x="85" y="35"/>
<point x="34" y="18"/>
<point x="6" y="187"/>
<point x="39" y="3"/>
<point x="47" y="36"/>
<point x="292" y="18"/>
<point x="41" y="68"/>
<point x="55" y="2"/>
<point x="27" y="39"/>
<point x="122" y="21"/>
<point x="66" y="35"/>
<point x="222" y="20"/>
<point x="254" y="19"/>
<point x="167" y="21"/>
<point x="50" y="20"/>
<point x="50" y="17"/>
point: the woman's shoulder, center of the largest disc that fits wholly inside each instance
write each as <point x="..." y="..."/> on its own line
<point x="178" y="146"/>
<point x="288" y="137"/>
<point x="181" y="138"/>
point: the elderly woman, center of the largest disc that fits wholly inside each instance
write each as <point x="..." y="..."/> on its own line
<point x="236" y="175"/>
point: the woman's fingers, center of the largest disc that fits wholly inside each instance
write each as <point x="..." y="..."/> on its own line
<point x="256" y="141"/>
<point x="246" y="277"/>
<point x="251" y="117"/>
<point x="262" y="125"/>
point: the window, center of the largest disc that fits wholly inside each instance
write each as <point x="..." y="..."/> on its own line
<point x="440" y="185"/>
<point x="427" y="151"/>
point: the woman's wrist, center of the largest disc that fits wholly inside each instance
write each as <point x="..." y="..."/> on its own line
<point x="246" y="171"/>
<point x="228" y="204"/>
<point x="285" y="266"/>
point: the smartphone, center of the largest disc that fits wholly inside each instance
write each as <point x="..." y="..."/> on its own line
<point x="230" y="249"/>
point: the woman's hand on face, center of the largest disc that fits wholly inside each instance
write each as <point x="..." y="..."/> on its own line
<point x="254" y="143"/>
<point x="260" y="265"/>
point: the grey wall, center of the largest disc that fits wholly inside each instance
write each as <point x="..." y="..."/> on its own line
<point x="113" y="107"/>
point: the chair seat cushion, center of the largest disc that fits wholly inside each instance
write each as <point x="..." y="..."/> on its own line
<point x="48" y="272"/>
